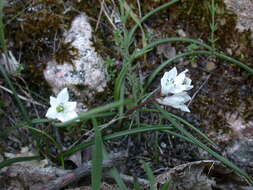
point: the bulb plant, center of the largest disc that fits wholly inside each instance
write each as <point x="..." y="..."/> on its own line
<point x="173" y="91"/>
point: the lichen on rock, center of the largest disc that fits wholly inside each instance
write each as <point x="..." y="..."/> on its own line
<point x="86" y="74"/>
<point x="243" y="9"/>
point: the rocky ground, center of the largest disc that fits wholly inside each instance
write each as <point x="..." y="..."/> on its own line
<point x="53" y="52"/>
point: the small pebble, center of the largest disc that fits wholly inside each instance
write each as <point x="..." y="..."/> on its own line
<point x="210" y="66"/>
<point x="163" y="145"/>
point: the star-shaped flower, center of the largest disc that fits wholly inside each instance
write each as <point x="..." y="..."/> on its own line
<point x="173" y="83"/>
<point x="61" y="108"/>
<point x="176" y="101"/>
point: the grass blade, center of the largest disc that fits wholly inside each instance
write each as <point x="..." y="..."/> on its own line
<point x="22" y="124"/>
<point x="128" y="39"/>
<point x="149" y="14"/>
<point x="44" y="134"/>
<point x="18" y="159"/>
<point x="115" y="174"/>
<point x="191" y="53"/>
<point x="150" y="175"/>
<point x="92" y="112"/>
<point x="119" y="81"/>
<point x="2" y="38"/>
<point x="97" y="158"/>
<point x="166" y="186"/>
<point x="113" y="136"/>
<point x="20" y="105"/>
<point x="204" y="147"/>
<point x="150" y="46"/>
<point x="137" y="186"/>
<point x="227" y="58"/>
<point x="183" y="122"/>
<point x="193" y="128"/>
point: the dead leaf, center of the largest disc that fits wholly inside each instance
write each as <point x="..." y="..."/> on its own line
<point x="202" y="175"/>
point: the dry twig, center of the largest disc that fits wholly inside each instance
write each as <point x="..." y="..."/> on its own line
<point x="83" y="170"/>
<point x="22" y="97"/>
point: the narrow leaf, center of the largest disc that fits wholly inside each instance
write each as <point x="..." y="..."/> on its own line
<point x="97" y="158"/>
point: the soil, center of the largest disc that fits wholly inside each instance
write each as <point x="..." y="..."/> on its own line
<point x="222" y="91"/>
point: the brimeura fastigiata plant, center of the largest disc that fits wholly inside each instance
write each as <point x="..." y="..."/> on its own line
<point x="129" y="104"/>
<point x="61" y="108"/>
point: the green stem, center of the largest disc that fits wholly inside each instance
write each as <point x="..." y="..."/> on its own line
<point x="2" y="37"/>
<point x="18" y="159"/>
<point x="201" y="52"/>
<point x="150" y="46"/>
<point x="91" y="113"/>
<point x="8" y="81"/>
<point x="165" y="5"/>
<point x="113" y="136"/>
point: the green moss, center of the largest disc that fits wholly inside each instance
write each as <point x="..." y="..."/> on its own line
<point x="36" y="32"/>
<point x="66" y="53"/>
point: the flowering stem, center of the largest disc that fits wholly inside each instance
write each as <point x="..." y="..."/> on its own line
<point x="143" y="104"/>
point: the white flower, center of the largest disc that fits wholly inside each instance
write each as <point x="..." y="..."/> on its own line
<point x="176" y="101"/>
<point x="173" y="83"/>
<point x="61" y="108"/>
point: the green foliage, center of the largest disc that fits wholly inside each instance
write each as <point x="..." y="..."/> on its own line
<point x="18" y="159"/>
<point x="16" y="98"/>
<point x="166" y="186"/>
<point x="203" y="146"/>
<point x="131" y="92"/>
<point x="193" y="47"/>
<point x="150" y="174"/>
<point x="97" y="158"/>
<point x="111" y="68"/>
<point x="2" y="36"/>
<point x="213" y="26"/>
<point x="115" y="174"/>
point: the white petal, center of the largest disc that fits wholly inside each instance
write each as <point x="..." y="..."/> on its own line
<point x="178" y="89"/>
<point x="61" y="117"/>
<point x="167" y="81"/>
<point x="69" y="106"/>
<point x="51" y="113"/>
<point x="176" y="101"/>
<point x="165" y="101"/>
<point x="185" y="97"/>
<point x="53" y="101"/>
<point x="63" y="95"/>
<point x="173" y="100"/>
<point x="181" y="77"/>
<point x="65" y="116"/>
<point x="181" y="88"/>
<point x="171" y="83"/>
<point x="187" y="81"/>
<point x="172" y="73"/>
<point x="161" y="101"/>
<point x="166" y="89"/>
<point x="188" y="87"/>
<point x="184" y="108"/>
<point x="71" y="115"/>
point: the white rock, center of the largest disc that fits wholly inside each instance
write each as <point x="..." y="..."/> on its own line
<point x="86" y="71"/>
<point x="181" y="33"/>
<point x="243" y="9"/>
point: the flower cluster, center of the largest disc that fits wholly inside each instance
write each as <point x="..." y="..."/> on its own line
<point x="61" y="108"/>
<point x="173" y="91"/>
<point x="173" y="87"/>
